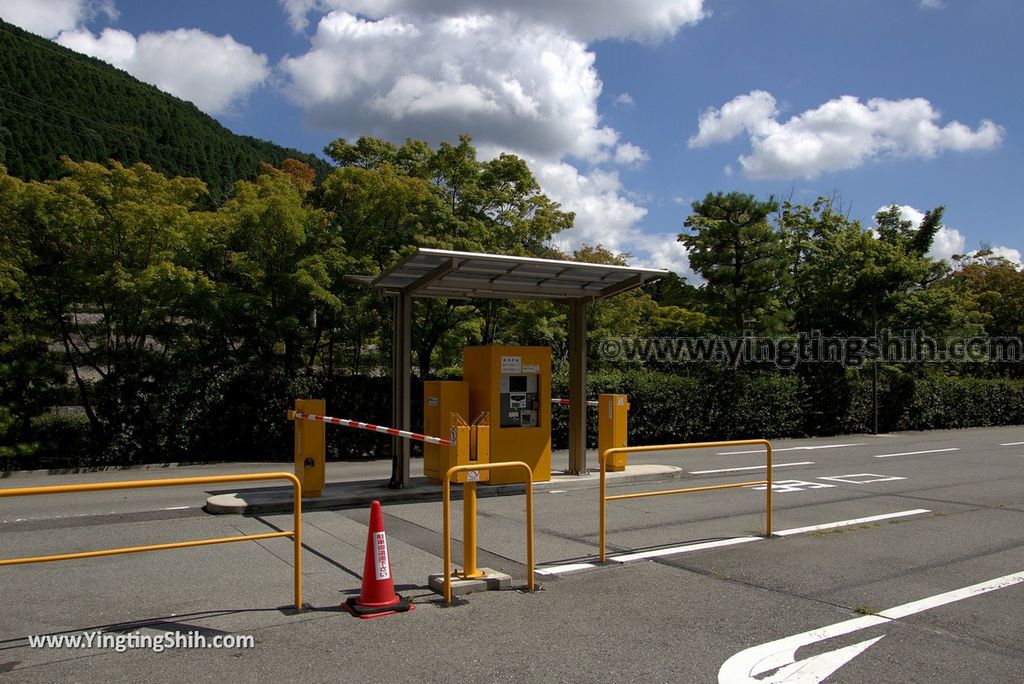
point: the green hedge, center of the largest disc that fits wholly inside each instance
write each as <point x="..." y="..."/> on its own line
<point x="943" y="403"/>
<point x="670" y="408"/>
<point x="239" y="414"/>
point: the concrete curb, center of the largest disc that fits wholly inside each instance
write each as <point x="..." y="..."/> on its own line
<point x="363" y="492"/>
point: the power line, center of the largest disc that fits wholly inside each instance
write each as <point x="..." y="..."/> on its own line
<point x="68" y="112"/>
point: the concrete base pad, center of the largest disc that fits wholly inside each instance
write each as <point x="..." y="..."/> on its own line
<point x="347" y="494"/>
<point x="492" y="580"/>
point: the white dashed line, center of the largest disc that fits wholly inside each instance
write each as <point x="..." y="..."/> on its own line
<point x="564" y="569"/>
<point x="847" y="523"/>
<point x="700" y="546"/>
<point x="796" y="448"/>
<point x="915" y="453"/>
<point x="760" y="467"/>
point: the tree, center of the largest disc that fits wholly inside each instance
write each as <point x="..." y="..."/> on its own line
<point x="741" y="256"/>
<point x="282" y="266"/>
<point x="386" y="199"/>
<point x="29" y="373"/>
<point x="114" y="273"/>
<point x="992" y="289"/>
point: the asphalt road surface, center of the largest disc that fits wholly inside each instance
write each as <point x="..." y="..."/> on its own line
<point x="894" y="558"/>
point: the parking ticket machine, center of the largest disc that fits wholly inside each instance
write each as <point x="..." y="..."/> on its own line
<point x="513" y="384"/>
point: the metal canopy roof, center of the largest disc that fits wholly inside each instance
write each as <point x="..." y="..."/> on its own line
<point x="445" y="273"/>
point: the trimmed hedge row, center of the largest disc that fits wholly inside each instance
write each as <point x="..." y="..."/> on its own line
<point x="728" y="405"/>
<point x="670" y="408"/>
<point x="241" y="416"/>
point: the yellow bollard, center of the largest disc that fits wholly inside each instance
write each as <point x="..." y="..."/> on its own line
<point x="469" y="569"/>
<point x="473" y="448"/>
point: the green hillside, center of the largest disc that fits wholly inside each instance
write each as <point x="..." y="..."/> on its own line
<point x="54" y="102"/>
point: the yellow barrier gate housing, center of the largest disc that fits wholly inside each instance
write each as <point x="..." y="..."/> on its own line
<point x="311" y="447"/>
<point x="612" y="454"/>
<point x="442" y="400"/>
<point x="612" y="424"/>
<point x="295" y="534"/>
<point x="469" y="519"/>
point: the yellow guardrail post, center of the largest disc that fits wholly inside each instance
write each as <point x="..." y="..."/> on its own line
<point x="446" y="531"/>
<point x="610" y="454"/>
<point x="295" y="534"/>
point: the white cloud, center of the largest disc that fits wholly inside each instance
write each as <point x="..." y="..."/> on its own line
<point x="629" y="154"/>
<point x="517" y="77"/>
<point x="663" y="250"/>
<point x="932" y="4"/>
<point x="646" y="20"/>
<point x="605" y="216"/>
<point x="752" y="113"/>
<point x="841" y="134"/>
<point x="1009" y="253"/>
<point x="947" y="242"/>
<point x="51" y="17"/>
<point x="907" y="213"/>
<point x="214" y="72"/>
<point x="533" y="89"/>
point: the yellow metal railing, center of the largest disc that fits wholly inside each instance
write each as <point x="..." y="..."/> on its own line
<point x="447" y="525"/>
<point x="606" y="456"/>
<point x="295" y="534"/>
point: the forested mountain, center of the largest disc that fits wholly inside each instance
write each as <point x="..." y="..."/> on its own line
<point x="54" y="101"/>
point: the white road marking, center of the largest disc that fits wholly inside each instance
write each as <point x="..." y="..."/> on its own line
<point x="796" y="448"/>
<point x="854" y="521"/>
<point x="915" y="453"/>
<point x="760" y="467"/>
<point x="671" y="551"/>
<point x="1012" y="444"/>
<point x="175" y="508"/>
<point x="557" y="491"/>
<point x="780" y="655"/>
<point x="558" y="569"/>
<point x="686" y="548"/>
<point x="853" y="478"/>
<point x="787" y="486"/>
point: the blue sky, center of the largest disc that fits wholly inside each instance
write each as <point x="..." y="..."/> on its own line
<point x="626" y="111"/>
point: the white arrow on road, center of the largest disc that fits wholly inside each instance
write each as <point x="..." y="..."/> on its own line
<point x="780" y="655"/>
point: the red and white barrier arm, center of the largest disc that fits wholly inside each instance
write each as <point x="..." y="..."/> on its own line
<point x="394" y="432"/>
<point x="565" y="402"/>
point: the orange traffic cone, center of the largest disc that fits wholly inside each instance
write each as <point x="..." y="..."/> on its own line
<point x="377" y="596"/>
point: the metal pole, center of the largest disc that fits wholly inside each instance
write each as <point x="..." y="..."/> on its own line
<point x="401" y="384"/>
<point x="768" y="490"/>
<point x="469" y="568"/>
<point x="297" y="543"/>
<point x="874" y="375"/>
<point x="601" y="507"/>
<point x="446" y="532"/>
<point x="577" y="387"/>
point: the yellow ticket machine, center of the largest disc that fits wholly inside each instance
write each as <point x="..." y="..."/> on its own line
<point x="513" y="385"/>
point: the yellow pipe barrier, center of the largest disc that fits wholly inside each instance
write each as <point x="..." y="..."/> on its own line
<point x="605" y="457"/>
<point x="447" y="524"/>
<point x="295" y="534"/>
